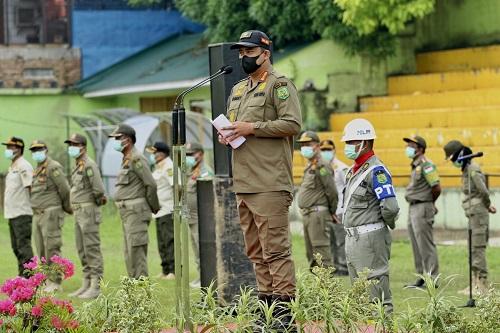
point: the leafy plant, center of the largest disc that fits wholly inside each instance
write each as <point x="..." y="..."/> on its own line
<point x="133" y="307"/>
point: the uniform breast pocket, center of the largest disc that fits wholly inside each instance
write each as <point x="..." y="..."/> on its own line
<point x="255" y="110"/>
<point x="123" y="177"/>
<point x="359" y="198"/>
<point x="78" y="182"/>
<point x="232" y="110"/>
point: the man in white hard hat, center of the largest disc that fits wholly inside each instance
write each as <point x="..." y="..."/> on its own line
<point x="370" y="206"/>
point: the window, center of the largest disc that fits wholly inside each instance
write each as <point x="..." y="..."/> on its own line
<point x="38" y="73"/>
<point x="35" y="21"/>
<point x="157" y="104"/>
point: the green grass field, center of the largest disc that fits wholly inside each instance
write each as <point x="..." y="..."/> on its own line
<point x="453" y="261"/>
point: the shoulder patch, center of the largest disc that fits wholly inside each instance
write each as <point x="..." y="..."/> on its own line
<point x="56" y="173"/>
<point x="382" y="183"/>
<point x="283" y="92"/>
<point x="138" y="164"/>
<point x="89" y="172"/>
<point x="170" y="172"/>
<point x="323" y="171"/>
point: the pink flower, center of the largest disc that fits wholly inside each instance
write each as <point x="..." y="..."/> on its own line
<point x="12" y="284"/>
<point x="73" y="324"/>
<point x="37" y="311"/>
<point x="32" y="264"/>
<point x="7" y="306"/>
<point x="67" y="266"/>
<point x="22" y="294"/>
<point x="37" y="279"/>
<point x="57" y="323"/>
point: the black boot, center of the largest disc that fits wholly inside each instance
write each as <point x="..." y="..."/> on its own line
<point x="418" y="284"/>
<point x="283" y="315"/>
<point x="260" y="323"/>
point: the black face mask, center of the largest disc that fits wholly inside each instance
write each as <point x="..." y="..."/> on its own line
<point x="249" y="64"/>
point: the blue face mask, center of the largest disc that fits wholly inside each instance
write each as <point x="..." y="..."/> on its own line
<point x="350" y="151"/>
<point x="152" y="159"/>
<point x="307" y="152"/>
<point x="190" y="161"/>
<point x="328" y="155"/>
<point x="39" y="156"/>
<point x="117" y="145"/>
<point x="410" y="152"/>
<point x="457" y="164"/>
<point x="74" y="151"/>
<point x="9" y="154"/>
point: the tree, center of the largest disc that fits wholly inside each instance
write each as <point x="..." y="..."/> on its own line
<point x="360" y="26"/>
<point x="367" y="16"/>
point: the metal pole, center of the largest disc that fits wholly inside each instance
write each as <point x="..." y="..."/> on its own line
<point x="181" y="229"/>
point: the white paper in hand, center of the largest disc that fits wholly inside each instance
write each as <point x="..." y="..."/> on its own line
<point x="219" y="123"/>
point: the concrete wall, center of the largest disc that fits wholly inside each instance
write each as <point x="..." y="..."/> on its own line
<point x="40" y="117"/>
<point x="40" y="66"/>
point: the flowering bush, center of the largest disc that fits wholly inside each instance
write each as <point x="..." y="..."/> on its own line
<point x="28" y="308"/>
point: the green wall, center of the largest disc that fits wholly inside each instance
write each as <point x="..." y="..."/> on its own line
<point x="41" y="117"/>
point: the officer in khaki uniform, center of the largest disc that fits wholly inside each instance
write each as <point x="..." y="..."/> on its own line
<point x="370" y="207"/>
<point x="337" y="232"/>
<point x="264" y="108"/>
<point x="421" y="195"/>
<point x="17" y="207"/>
<point x="86" y="195"/>
<point x="198" y="170"/>
<point x="49" y="201"/>
<point x="477" y="205"/>
<point x="317" y="200"/>
<point x="136" y="198"/>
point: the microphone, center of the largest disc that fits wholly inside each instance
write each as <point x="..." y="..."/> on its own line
<point x="470" y="156"/>
<point x="222" y="71"/>
<point x="179" y="114"/>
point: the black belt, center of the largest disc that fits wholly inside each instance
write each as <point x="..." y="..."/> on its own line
<point x="415" y="202"/>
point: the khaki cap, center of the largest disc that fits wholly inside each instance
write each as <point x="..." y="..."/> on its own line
<point x="308" y="136"/>
<point x="451" y="148"/>
<point x="123" y="129"/>
<point x="326" y="144"/>
<point x="14" y="141"/>
<point x="416" y="139"/>
<point x="193" y="147"/>
<point x="77" y="139"/>
<point x="38" y="144"/>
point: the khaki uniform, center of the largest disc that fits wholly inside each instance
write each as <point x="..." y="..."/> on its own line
<point x="317" y="199"/>
<point x="421" y="215"/>
<point x="262" y="173"/>
<point x="87" y="193"/>
<point x="136" y="198"/>
<point x="475" y="205"/>
<point x="369" y="207"/>
<point x="199" y="172"/>
<point x="49" y="201"/>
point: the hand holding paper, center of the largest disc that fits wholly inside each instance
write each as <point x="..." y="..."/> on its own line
<point x="220" y="123"/>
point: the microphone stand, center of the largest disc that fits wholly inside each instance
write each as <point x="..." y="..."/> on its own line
<point x="181" y="227"/>
<point x="471" y="302"/>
